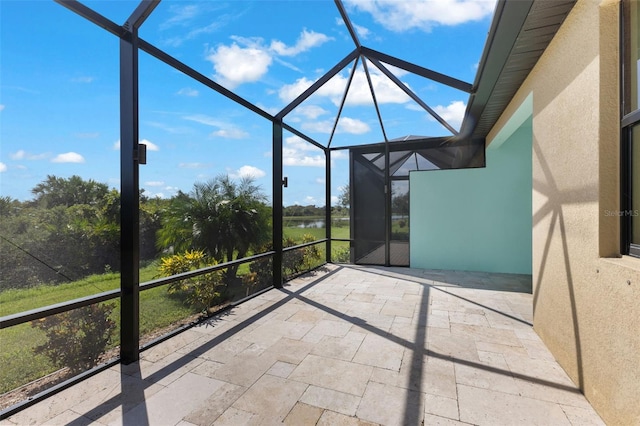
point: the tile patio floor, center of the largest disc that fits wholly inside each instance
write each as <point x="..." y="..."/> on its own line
<point x="344" y="346"/>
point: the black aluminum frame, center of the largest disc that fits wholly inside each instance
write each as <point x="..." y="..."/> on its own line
<point x="629" y="120"/>
<point x="130" y="45"/>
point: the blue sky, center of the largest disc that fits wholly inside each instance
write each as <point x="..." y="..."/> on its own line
<point x="59" y="90"/>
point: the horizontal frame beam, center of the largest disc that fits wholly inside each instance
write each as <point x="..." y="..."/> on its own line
<point x="34" y="314"/>
<point x="93" y="16"/>
<point x="416" y="69"/>
<point x="318" y="83"/>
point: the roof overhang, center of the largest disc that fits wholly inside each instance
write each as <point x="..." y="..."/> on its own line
<point x="520" y="32"/>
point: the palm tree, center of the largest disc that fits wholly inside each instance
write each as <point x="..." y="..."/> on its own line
<point x="224" y="218"/>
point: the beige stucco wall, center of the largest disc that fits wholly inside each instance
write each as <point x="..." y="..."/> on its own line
<point x="586" y="297"/>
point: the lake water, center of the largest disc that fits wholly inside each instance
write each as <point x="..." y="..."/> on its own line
<point x="309" y="223"/>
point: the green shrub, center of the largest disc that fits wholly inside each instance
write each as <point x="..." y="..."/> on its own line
<point x="201" y="292"/>
<point x="76" y="339"/>
<point x="341" y="255"/>
<point x="311" y="255"/>
<point x="294" y="262"/>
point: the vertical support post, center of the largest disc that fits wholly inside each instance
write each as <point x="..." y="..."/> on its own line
<point x="387" y="207"/>
<point x="352" y="228"/>
<point x="129" y="209"/>
<point x="327" y="178"/>
<point x="277" y="203"/>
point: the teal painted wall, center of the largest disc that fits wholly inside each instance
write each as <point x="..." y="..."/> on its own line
<point x="476" y="219"/>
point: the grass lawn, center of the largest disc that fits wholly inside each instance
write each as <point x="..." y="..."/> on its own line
<point x="20" y="364"/>
<point x="158" y="309"/>
<point x="318" y="233"/>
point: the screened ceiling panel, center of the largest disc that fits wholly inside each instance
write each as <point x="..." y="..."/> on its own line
<point x="414" y="162"/>
<point x="267" y="52"/>
<point x="271" y="65"/>
<point x="424" y="32"/>
<point x="448" y="102"/>
<point x="316" y="115"/>
<point x="188" y="138"/>
<point x="359" y="122"/>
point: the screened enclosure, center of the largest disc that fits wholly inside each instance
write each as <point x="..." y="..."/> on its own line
<point x="379" y="183"/>
<point x="182" y="133"/>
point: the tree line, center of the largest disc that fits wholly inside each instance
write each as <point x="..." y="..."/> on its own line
<point x="71" y="227"/>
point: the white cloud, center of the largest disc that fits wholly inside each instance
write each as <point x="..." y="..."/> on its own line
<point x="291" y="158"/>
<point x="68" y="157"/>
<point x="247" y="60"/>
<point x="24" y="155"/>
<point x="423" y="15"/>
<point x="359" y="93"/>
<point x="452" y="113"/>
<point x="168" y="129"/>
<point x="1" y="107"/>
<point x="152" y="194"/>
<point x="185" y="15"/>
<point x="203" y="119"/>
<point x="345" y="125"/>
<point x="306" y="41"/>
<point x="352" y="126"/>
<point x="150" y="145"/>
<point x="339" y="155"/>
<point x="18" y="155"/>
<point x="363" y="32"/>
<point x="235" y="65"/>
<point x="231" y="133"/>
<point x="310" y="111"/>
<point x="299" y="144"/>
<point x="386" y="90"/>
<point x="289" y="92"/>
<point x="295" y="153"/>
<point x="193" y="165"/>
<point x="180" y="15"/>
<point x="188" y="91"/>
<point x="270" y="109"/>
<point x="154" y="183"/>
<point x="248" y="172"/>
<point x="323" y="126"/>
<point x="83" y="79"/>
<point x="3" y="167"/>
<point x="288" y="65"/>
<point x="212" y="27"/>
<point x="225" y="129"/>
<point x="321" y="180"/>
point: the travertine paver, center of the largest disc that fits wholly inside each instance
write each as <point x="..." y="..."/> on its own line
<point x="343" y="346"/>
<point x="271" y="396"/>
<point x="484" y="406"/>
<point x="332" y="400"/>
<point x="335" y="374"/>
<point x="303" y="414"/>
